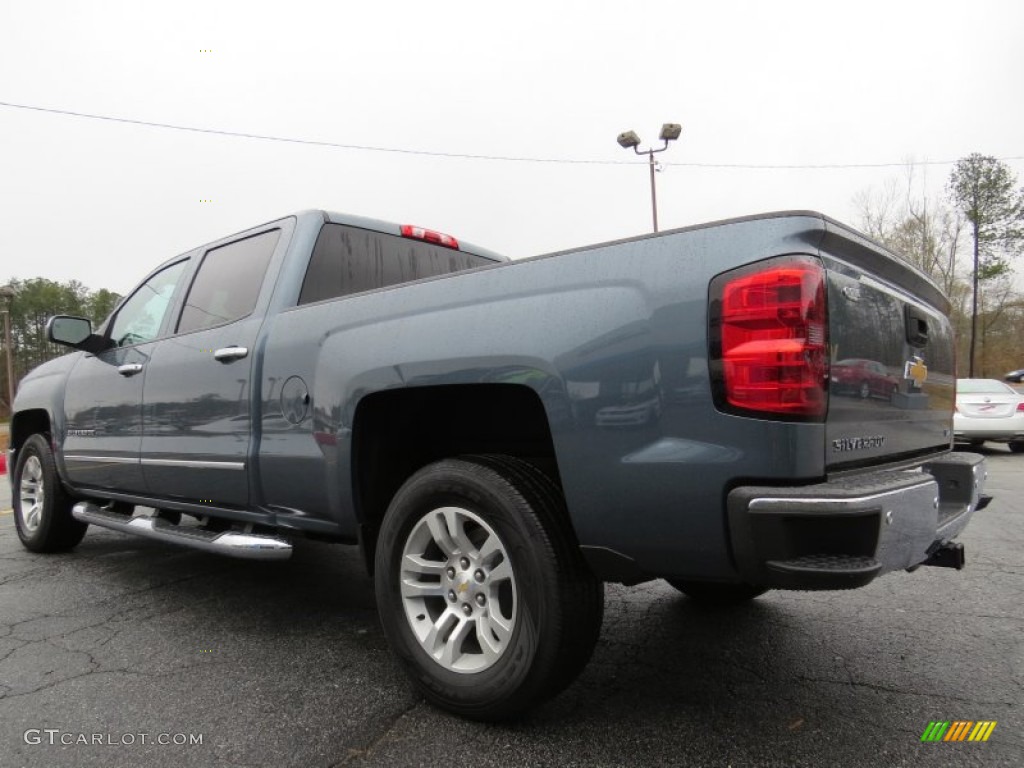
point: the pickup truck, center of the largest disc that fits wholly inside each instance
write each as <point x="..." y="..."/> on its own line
<point x="501" y="438"/>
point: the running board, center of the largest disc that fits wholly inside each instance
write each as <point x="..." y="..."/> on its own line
<point x="249" y="546"/>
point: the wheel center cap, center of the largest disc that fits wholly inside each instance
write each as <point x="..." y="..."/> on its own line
<point x="462" y="587"/>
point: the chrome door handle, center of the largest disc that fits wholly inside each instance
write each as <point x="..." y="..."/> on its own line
<point x="129" y="369"/>
<point x="227" y="354"/>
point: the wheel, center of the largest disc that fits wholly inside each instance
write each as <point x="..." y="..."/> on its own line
<point x="42" y="509"/>
<point x="711" y="593"/>
<point x="975" y="443"/>
<point x="482" y="592"/>
<point x="865" y="390"/>
<point x="1017" y="446"/>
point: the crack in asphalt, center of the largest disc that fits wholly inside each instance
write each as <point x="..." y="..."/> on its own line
<point x="145" y="675"/>
<point x="356" y="753"/>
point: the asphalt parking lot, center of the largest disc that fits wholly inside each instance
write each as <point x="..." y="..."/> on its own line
<point x="284" y="664"/>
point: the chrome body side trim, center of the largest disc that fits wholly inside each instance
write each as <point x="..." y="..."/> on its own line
<point x="193" y="464"/>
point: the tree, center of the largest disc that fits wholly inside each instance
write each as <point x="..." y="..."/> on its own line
<point x="34" y="302"/>
<point x="920" y="230"/>
<point x="983" y="188"/>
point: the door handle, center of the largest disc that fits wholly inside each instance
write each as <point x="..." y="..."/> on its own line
<point x="227" y="354"/>
<point x="129" y="369"/>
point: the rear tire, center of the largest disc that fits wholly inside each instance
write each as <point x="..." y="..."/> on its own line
<point x="42" y="508"/>
<point x="975" y="443"/>
<point x="482" y="591"/>
<point x="715" y="594"/>
<point x="1017" y="446"/>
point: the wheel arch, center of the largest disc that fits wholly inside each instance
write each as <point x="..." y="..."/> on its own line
<point x="397" y="432"/>
<point x="27" y="423"/>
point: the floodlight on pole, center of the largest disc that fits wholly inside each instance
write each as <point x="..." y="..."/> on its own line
<point x="629" y="140"/>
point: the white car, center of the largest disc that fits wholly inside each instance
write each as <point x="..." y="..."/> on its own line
<point x="987" y="409"/>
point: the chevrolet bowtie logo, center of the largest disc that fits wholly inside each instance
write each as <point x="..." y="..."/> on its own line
<point x="916" y="370"/>
<point x="462" y="587"/>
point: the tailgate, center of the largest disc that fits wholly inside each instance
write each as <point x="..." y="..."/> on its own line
<point x="892" y="373"/>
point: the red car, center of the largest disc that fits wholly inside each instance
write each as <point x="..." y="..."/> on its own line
<point x="863" y="378"/>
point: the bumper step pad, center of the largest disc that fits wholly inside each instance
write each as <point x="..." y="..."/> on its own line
<point x="830" y="571"/>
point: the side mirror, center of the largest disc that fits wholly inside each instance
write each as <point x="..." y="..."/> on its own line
<point x="74" y="332"/>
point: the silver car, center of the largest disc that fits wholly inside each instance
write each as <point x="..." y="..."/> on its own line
<point x="987" y="409"/>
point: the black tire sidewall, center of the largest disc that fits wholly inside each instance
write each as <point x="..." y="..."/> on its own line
<point x="36" y="446"/>
<point x="472" y="487"/>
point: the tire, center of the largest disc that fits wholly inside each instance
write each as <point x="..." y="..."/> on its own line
<point x="975" y="443"/>
<point x="716" y="594"/>
<point x="42" y="508"/>
<point x="1017" y="446"/>
<point x="482" y="591"/>
<point x="864" y="391"/>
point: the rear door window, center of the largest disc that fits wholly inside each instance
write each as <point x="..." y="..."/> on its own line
<point x="349" y="260"/>
<point x="228" y="282"/>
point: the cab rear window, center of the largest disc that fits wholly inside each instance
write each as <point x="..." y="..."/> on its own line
<point x="349" y="260"/>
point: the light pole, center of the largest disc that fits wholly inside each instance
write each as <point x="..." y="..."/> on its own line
<point x="629" y="140"/>
<point x="7" y="294"/>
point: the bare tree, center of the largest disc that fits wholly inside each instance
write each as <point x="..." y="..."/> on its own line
<point x="922" y="231"/>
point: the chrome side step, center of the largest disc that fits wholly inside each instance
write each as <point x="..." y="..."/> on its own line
<point x="249" y="546"/>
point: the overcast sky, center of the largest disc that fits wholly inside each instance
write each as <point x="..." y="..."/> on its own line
<point x="752" y="83"/>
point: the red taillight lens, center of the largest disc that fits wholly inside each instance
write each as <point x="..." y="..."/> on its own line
<point x="769" y="334"/>
<point x="1020" y="407"/>
<point x="430" y="236"/>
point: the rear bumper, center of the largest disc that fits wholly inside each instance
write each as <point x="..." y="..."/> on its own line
<point x="969" y="428"/>
<point x="844" y="533"/>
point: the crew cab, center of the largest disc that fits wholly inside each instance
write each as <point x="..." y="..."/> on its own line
<point x="501" y="437"/>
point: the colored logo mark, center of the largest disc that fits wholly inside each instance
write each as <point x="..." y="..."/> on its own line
<point x="958" y="730"/>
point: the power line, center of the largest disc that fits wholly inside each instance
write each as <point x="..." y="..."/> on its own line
<point x="463" y="155"/>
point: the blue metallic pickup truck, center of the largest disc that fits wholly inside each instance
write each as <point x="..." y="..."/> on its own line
<point x="501" y="438"/>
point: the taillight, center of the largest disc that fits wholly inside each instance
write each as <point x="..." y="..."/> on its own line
<point x="769" y="339"/>
<point x="430" y="236"/>
<point x="1020" y="407"/>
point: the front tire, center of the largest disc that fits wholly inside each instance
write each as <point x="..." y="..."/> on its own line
<point x="715" y="594"/>
<point x="482" y="592"/>
<point x="1017" y="446"/>
<point x="42" y="508"/>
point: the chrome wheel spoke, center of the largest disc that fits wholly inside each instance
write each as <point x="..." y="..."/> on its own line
<point x="411" y="588"/>
<point x="501" y="571"/>
<point x="489" y="644"/>
<point x="438" y="525"/>
<point x="439" y="633"/>
<point x="420" y="565"/>
<point x="499" y="626"/>
<point x="452" y="653"/>
<point x="457" y="527"/>
<point x="489" y="549"/>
